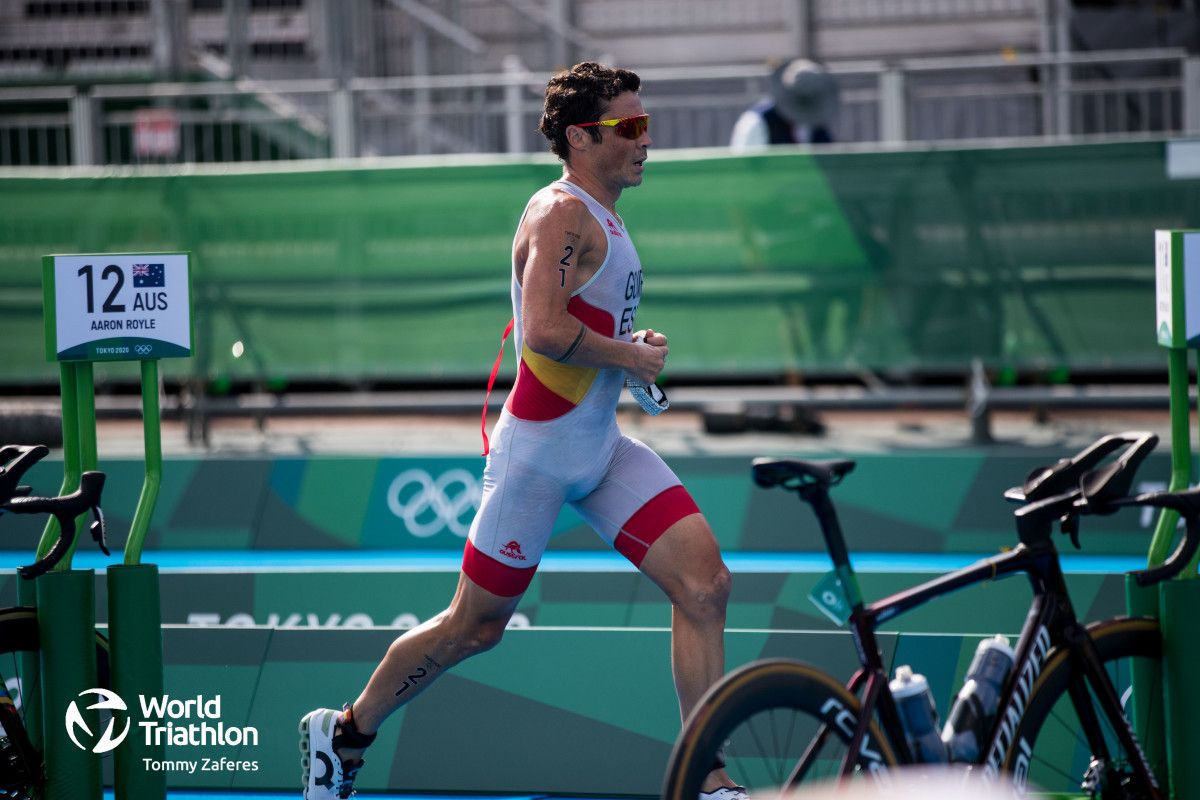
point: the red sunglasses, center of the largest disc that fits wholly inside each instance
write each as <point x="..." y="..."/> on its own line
<point x="626" y="127"/>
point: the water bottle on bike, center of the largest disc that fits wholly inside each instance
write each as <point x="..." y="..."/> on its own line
<point x="974" y="710"/>
<point x="919" y="715"/>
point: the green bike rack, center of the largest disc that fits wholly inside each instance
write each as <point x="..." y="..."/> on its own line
<point x="1176" y="603"/>
<point x="93" y="313"/>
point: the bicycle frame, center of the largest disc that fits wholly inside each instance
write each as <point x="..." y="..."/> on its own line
<point x="1051" y="623"/>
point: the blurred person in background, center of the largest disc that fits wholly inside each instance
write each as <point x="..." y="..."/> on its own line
<point x="799" y="110"/>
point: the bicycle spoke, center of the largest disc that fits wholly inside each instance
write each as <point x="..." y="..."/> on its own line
<point x="1070" y="728"/>
<point x="1065" y="758"/>
<point x="1052" y="767"/>
<point x="785" y="770"/>
<point x="776" y="751"/>
<point x="764" y="748"/>
<point x="758" y="743"/>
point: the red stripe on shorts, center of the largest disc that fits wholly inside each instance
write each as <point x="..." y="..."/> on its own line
<point x="497" y="578"/>
<point x="652" y="520"/>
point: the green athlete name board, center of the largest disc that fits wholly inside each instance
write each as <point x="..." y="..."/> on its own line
<point x="1177" y="288"/>
<point x="117" y="306"/>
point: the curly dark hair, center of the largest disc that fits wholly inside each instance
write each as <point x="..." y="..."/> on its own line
<point x="581" y="94"/>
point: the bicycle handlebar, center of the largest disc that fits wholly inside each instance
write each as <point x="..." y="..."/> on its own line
<point x="18" y="460"/>
<point x="65" y="509"/>
<point x="1103" y="488"/>
<point x="1066" y="473"/>
<point x="1186" y="503"/>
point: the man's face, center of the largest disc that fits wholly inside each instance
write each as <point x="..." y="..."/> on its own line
<point x="615" y="158"/>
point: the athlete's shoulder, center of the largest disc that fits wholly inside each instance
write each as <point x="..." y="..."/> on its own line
<point x="555" y="201"/>
<point x="554" y="208"/>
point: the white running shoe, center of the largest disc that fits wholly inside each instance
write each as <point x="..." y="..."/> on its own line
<point x="726" y="793"/>
<point x="326" y="777"/>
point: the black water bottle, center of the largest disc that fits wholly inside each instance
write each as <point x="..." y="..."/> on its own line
<point x="974" y="710"/>
<point x="919" y="715"/>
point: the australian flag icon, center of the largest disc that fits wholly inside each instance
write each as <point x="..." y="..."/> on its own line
<point x="148" y="276"/>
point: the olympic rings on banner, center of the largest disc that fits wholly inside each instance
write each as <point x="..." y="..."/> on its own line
<point x="428" y="506"/>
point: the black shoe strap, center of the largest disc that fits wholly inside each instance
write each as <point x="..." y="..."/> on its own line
<point x="350" y="737"/>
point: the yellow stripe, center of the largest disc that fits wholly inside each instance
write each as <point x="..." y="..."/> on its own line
<point x="570" y="383"/>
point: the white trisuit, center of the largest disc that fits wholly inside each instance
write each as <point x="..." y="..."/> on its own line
<point x="557" y="440"/>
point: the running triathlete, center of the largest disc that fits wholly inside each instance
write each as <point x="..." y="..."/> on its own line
<point x="576" y="286"/>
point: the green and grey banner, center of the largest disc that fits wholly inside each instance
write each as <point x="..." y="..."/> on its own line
<point x="778" y="600"/>
<point x="548" y="711"/>
<point x="903" y="502"/>
<point x="1032" y="257"/>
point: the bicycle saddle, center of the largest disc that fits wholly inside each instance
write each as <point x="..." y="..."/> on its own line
<point x="794" y="473"/>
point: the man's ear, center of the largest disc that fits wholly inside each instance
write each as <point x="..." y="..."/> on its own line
<point x="577" y="138"/>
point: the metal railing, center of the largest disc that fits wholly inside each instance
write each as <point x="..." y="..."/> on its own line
<point x="1109" y="93"/>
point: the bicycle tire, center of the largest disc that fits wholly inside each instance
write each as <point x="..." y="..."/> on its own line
<point x="1050" y="753"/>
<point x="761" y="717"/>
<point x="21" y="774"/>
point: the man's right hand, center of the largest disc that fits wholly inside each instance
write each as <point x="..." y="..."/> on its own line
<point x="649" y="361"/>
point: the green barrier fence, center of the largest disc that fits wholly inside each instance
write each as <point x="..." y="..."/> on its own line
<point x="548" y="711"/>
<point x="923" y="501"/>
<point x="1032" y="257"/>
<point x="613" y="599"/>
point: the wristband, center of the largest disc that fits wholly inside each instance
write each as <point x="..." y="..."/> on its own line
<point x="652" y="399"/>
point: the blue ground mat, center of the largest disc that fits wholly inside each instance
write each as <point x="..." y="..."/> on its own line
<point x="449" y="561"/>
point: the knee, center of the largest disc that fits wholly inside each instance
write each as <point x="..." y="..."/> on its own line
<point x="486" y="635"/>
<point x="474" y="636"/>
<point x="706" y="596"/>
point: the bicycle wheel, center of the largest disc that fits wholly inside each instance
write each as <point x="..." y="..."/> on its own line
<point x="1050" y="750"/>
<point x="21" y="774"/>
<point x="762" y="719"/>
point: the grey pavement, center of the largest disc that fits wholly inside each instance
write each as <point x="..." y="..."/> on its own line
<point x="675" y="433"/>
<point x="448" y="422"/>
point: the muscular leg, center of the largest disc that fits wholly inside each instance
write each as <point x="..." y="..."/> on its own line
<point x="686" y="563"/>
<point x="473" y="623"/>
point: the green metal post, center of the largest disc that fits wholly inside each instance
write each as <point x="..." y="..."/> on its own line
<point x="86" y="388"/>
<point x="152" y="437"/>
<point x="135" y="642"/>
<point x="85" y="409"/>
<point x="1180" y="603"/>
<point x="135" y="616"/>
<point x="1181" y="452"/>
<point x="66" y="623"/>
<point x="1179" y="608"/>
<point x="1149" y="691"/>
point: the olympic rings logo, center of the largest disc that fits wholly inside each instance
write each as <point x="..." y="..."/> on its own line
<point x="142" y="349"/>
<point x="429" y="506"/>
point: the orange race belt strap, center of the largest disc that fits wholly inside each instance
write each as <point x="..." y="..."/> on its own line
<point x="492" y="382"/>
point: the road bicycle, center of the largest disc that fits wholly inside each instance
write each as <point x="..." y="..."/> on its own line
<point x="21" y="762"/>
<point x="1067" y="720"/>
